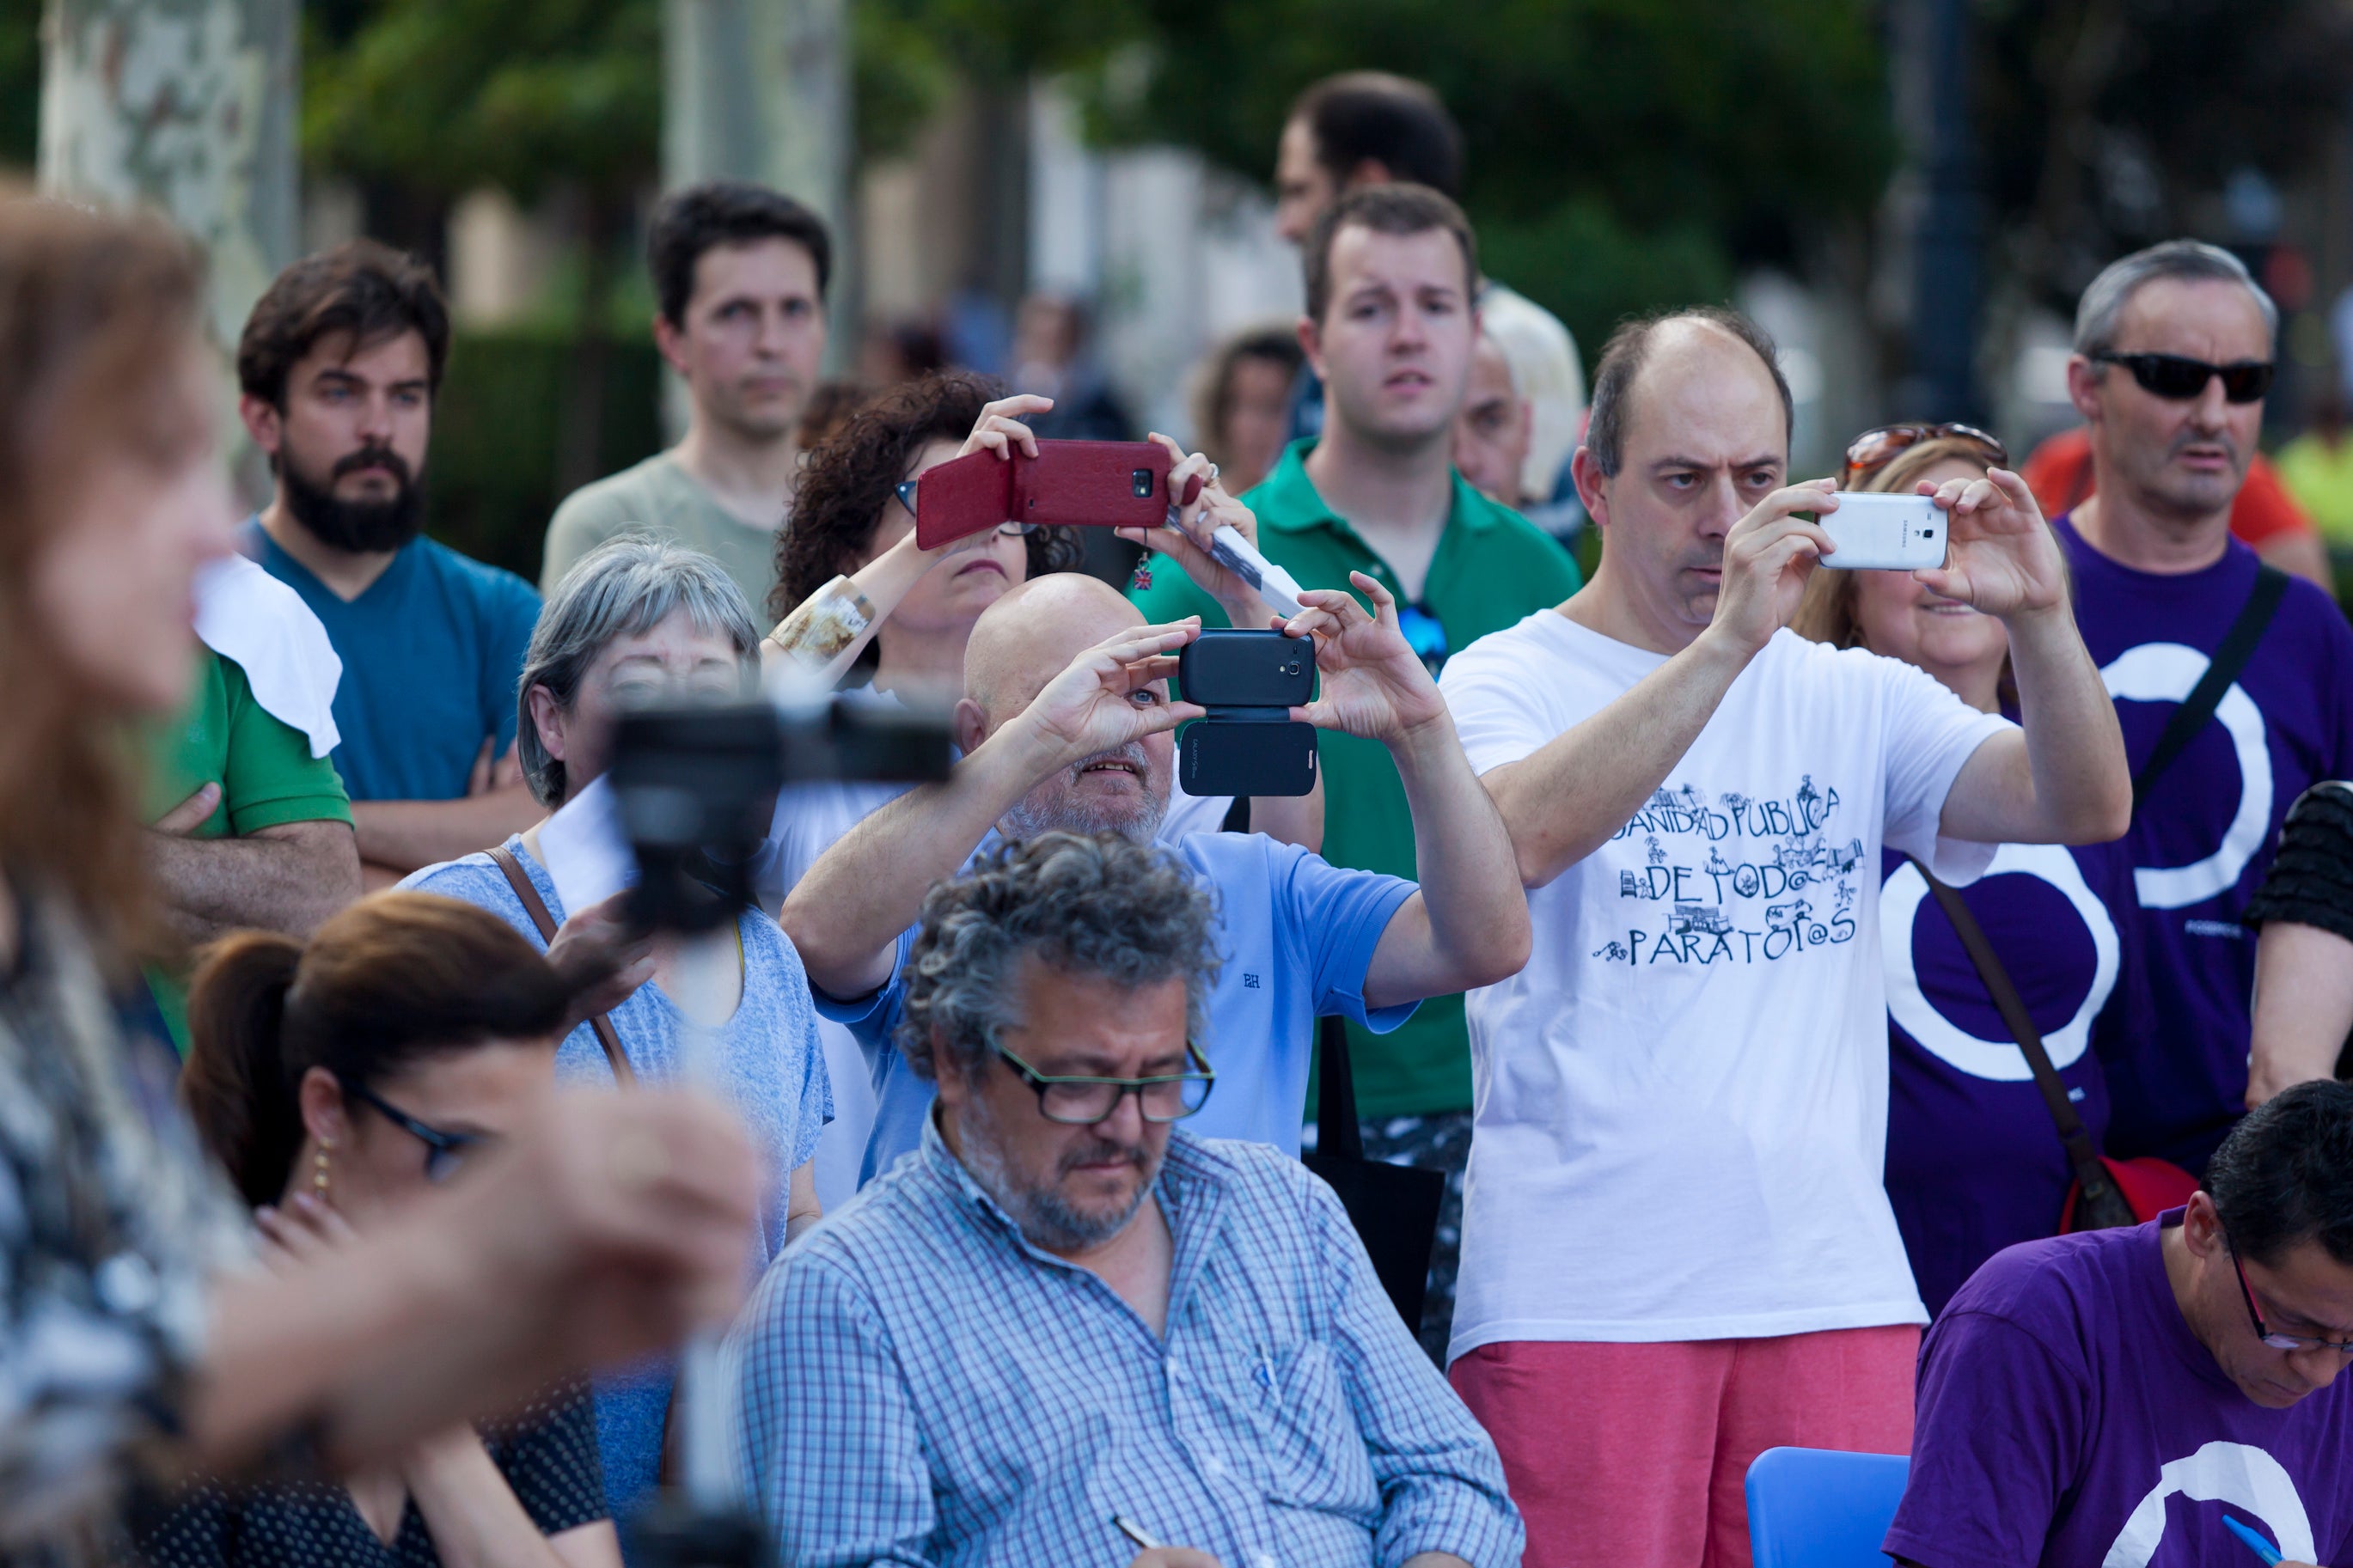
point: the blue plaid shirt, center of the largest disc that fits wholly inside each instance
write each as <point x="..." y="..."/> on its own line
<point x="920" y="1385"/>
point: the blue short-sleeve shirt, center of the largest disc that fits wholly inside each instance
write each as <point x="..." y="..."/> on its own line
<point x="1297" y="934"/>
<point x="431" y="653"/>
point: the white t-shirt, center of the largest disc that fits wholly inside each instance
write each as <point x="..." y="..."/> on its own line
<point x="1681" y="1103"/>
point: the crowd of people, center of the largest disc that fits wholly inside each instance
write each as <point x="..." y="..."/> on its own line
<point x="1897" y="1011"/>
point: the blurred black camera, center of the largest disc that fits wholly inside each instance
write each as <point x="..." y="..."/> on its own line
<point x="696" y="789"/>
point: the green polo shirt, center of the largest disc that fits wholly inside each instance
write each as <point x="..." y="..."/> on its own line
<point x="264" y="766"/>
<point x="1492" y="569"/>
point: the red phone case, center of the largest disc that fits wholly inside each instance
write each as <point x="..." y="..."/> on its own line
<point x="1092" y="484"/>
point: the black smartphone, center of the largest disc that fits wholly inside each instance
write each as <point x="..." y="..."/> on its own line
<point x="1248" y="744"/>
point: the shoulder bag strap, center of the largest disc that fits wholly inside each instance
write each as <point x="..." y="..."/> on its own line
<point x="1338" y="1133"/>
<point x="2231" y="656"/>
<point x="2101" y="1205"/>
<point x="536" y="908"/>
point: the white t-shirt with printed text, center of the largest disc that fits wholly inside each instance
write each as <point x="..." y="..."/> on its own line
<point x="1681" y="1103"/>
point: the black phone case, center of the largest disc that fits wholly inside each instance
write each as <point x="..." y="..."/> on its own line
<point x="1247" y="757"/>
<point x="1226" y="669"/>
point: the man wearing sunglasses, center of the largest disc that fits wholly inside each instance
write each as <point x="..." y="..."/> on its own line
<point x="2173" y="358"/>
<point x="2113" y="1398"/>
<point x="1065" y="1330"/>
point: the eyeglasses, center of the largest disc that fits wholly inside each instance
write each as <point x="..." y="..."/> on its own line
<point x="2281" y="1342"/>
<point x="1876" y="449"/>
<point x="444" y="1152"/>
<point x="2172" y="376"/>
<point x="905" y="491"/>
<point x="1084" y="1101"/>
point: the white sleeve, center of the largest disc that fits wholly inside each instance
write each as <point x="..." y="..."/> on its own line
<point x="1493" y="696"/>
<point x="1928" y="736"/>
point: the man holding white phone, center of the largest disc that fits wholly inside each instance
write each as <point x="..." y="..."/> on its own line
<point x="1677" y="1251"/>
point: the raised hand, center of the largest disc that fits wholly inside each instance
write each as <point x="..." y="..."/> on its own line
<point x="1186" y="541"/>
<point x="1110" y="694"/>
<point x="597" y="950"/>
<point x="1375" y="685"/>
<point x="2003" y="558"/>
<point x="1768" y="556"/>
<point x="1000" y="428"/>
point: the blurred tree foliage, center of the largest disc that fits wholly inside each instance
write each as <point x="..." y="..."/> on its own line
<point x="20" y="82"/>
<point x="2101" y="122"/>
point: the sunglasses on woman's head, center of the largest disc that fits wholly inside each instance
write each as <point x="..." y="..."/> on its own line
<point x="2178" y="379"/>
<point x="1874" y="449"/>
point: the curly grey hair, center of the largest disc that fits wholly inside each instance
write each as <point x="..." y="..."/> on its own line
<point x="622" y="588"/>
<point x="2186" y="260"/>
<point x="1087" y="905"/>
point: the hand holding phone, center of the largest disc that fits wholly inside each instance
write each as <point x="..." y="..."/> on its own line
<point x="1213" y="538"/>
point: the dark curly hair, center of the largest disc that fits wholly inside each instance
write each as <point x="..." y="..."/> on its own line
<point x="1093" y="906"/>
<point x="848" y="480"/>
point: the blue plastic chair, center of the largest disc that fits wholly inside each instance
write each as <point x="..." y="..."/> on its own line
<point x="1814" y="1508"/>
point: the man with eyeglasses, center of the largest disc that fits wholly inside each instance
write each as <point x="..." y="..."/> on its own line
<point x="2114" y="1397"/>
<point x="2173" y="357"/>
<point x="1068" y="1332"/>
<point x="1066" y="725"/>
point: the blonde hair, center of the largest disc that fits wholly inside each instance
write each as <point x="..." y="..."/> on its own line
<point x="1826" y="613"/>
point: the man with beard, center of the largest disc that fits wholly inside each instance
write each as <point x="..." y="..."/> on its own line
<point x="1065" y="726"/>
<point x="338" y="366"/>
<point x="2173" y="355"/>
<point x="1003" y="1353"/>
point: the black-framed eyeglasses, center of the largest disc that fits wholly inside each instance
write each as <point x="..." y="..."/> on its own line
<point x="905" y="491"/>
<point x="2179" y="379"/>
<point x="2263" y="1331"/>
<point x="1084" y="1101"/>
<point x="444" y="1152"/>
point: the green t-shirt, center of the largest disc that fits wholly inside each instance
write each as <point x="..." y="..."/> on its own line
<point x="660" y="497"/>
<point x="1492" y="569"/>
<point x="2320" y="476"/>
<point x="264" y="766"/>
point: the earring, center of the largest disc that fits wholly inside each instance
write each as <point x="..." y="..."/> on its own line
<point x="319" y="1177"/>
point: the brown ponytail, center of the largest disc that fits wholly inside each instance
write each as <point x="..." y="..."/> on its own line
<point x="390" y="980"/>
<point x="235" y="1081"/>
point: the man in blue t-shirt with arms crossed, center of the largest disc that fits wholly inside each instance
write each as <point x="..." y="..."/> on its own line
<point x="337" y="368"/>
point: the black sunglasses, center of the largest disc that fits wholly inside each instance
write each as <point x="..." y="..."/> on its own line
<point x="444" y="1152"/>
<point x="2179" y="379"/>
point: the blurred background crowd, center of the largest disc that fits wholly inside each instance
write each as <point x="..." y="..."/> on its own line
<point x="1909" y="195"/>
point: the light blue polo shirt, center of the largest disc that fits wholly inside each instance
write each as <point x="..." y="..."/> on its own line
<point x="1297" y="934"/>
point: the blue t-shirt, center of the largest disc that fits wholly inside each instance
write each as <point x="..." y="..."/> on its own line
<point x="1296" y="933"/>
<point x="1974" y="1162"/>
<point x="431" y="653"/>
<point x="775" y="1078"/>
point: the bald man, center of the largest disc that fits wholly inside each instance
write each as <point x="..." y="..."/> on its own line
<point x="1677" y="1250"/>
<point x="1066" y="724"/>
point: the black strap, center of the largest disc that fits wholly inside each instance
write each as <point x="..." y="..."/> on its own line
<point x="1337" y="1132"/>
<point x="2098" y="1206"/>
<point x="1237" y="816"/>
<point x="2231" y="656"/>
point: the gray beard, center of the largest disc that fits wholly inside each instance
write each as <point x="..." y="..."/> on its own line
<point x="1046" y="1222"/>
<point x="1048" y="810"/>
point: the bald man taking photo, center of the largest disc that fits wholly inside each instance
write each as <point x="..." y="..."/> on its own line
<point x="1065" y="726"/>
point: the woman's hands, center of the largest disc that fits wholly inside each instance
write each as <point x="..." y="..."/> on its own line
<point x="1186" y="541"/>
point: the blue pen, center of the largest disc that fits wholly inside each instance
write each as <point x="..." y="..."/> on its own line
<point x="2255" y="1544"/>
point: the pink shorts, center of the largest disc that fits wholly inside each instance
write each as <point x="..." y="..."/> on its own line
<point x="1633" y="1455"/>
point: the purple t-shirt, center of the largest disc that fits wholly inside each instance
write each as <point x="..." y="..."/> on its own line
<point x="1974" y="1164"/>
<point x="2069" y="1418"/>
<point x="2204" y="837"/>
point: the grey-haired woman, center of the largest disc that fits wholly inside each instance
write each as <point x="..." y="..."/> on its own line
<point x="641" y="621"/>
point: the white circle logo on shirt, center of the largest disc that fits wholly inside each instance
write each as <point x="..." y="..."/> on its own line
<point x="2165" y="672"/>
<point x="2246" y="1477"/>
<point x="2000" y="1059"/>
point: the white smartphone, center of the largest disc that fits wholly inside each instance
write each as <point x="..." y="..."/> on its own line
<point x="1887" y="532"/>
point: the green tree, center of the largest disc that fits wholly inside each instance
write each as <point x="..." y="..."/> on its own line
<point x="20" y="82"/>
<point x="436" y="98"/>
